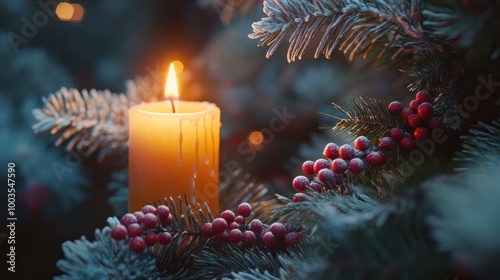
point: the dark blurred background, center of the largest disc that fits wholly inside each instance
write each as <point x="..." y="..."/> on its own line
<point x="117" y="40"/>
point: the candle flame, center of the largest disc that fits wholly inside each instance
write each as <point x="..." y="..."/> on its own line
<point x="171" y="88"/>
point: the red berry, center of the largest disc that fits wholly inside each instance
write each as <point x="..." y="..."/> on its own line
<point x="331" y="151"/>
<point x="298" y="197"/>
<point x="148" y="209"/>
<point x="325" y="175"/>
<point x="395" y="108"/>
<point x="346" y="152"/>
<point x="420" y="133"/>
<point x="240" y="219"/>
<point x="361" y="143"/>
<point x="292" y="238"/>
<point x="224" y="236"/>
<point x="423" y="96"/>
<point x="228" y="215"/>
<point x="219" y="225"/>
<point x="245" y="209"/>
<point x="151" y="238"/>
<point x="167" y="221"/>
<point x="249" y="238"/>
<point x="386" y="143"/>
<point x="128" y="219"/>
<point x="206" y="230"/>
<point x="118" y="232"/>
<point x="137" y="244"/>
<point x="425" y="110"/>
<point x="320" y="164"/>
<point x="162" y="211"/>
<point x="396" y="134"/>
<point x="256" y="225"/>
<point x="414" y="120"/>
<point x="376" y="158"/>
<point x="164" y="238"/>
<point x="150" y="220"/>
<point x="339" y="165"/>
<point x="134" y="230"/>
<point x="300" y="183"/>
<point x="139" y="216"/>
<point x="407" y="143"/>
<point x="414" y="105"/>
<point x="434" y="123"/>
<point x="235" y="235"/>
<point x="308" y="167"/>
<point x="406" y="113"/>
<point x="270" y="241"/>
<point x="356" y="165"/>
<point x="317" y="187"/>
<point x="278" y="229"/>
<point x="233" y="225"/>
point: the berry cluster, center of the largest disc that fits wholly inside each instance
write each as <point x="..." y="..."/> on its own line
<point x="232" y="229"/>
<point x="144" y="227"/>
<point x="419" y="118"/>
<point x="348" y="159"/>
<point x="340" y="161"/>
<point x="149" y="227"/>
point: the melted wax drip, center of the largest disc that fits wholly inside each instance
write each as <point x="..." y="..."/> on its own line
<point x="180" y="142"/>
<point x="195" y="169"/>
<point x="206" y="141"/>
<point x="212" y="172"/>
<point x="192" y="184"/>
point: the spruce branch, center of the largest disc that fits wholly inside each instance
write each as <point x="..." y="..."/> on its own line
<point x="369" y="236"/>
<point x="464" y="219"/>
<point x="104" y="258"/>
<point x="368" y="117"/>
<point x="434" y="69"/>
<point x="386" y="28"/>
<point x="480" y="146"/>
<point x="176" y="259"/>
<point x="95" y="119"/>
<point x="226" y="261"/>
<point x="86" y="120"/>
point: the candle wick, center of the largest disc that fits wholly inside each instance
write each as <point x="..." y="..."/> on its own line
<point x="172" y="103"/>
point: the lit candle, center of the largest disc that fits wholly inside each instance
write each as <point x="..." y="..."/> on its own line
<point x="174" y="152"/>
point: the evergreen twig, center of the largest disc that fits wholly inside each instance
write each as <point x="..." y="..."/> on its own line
<point x="88" y="120"/>
<point x="104" y="258"/>
<point x="369" y="118"/>
<point x="480" y="146"/>
<point x="386" y="28"/>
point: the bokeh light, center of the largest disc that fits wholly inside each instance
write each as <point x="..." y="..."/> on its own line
<point x="65" y="11"/>
<point x="255" y="138"/>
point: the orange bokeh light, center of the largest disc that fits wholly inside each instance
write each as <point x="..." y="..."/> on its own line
<point x="256" y="138"/>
